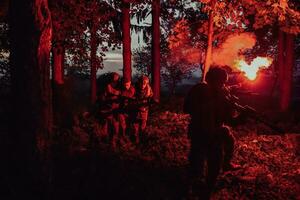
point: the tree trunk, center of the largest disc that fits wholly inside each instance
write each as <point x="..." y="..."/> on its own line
<point x="93" y="62"/>
<point x="58" y="59"/>
<point x="59" y="94"/>
<point x="208" y="56"/>
<point x="30" y="39"/>
<point x="285" y="65"/>
<point x="280" y="63"/>
<point x="126" y="40"/>
<point x="156" y="49"/>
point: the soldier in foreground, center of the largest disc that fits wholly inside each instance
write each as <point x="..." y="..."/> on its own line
<point x="143" y="96"/>
<point x="211" y="140"/>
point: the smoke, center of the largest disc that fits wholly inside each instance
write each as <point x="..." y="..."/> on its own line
<point x="232" y="48"/>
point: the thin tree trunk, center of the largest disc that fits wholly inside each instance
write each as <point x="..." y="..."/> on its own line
<point x="285" y="68"/>
<point x="156" y="49"/>
<point x="208" y="56"/>
<point x="287" y="73"/>
<point x="30" y="39"/>
<point x="59" y="94"/>
<point x="126" y="40"/>
<point x="93" y="62"/>
<point x="281" y="67"/>
<point x="58" y="57"/>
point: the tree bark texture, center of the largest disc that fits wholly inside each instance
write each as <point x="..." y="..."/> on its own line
<point x="93" y="62"/>
<point x="58" y="59"/>
<point x="30" y="39"/>
<point x="156" y="49"/>
<point x="126" y="40"/>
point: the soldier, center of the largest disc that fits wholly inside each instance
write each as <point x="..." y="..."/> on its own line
<point x="125" y="115"/>
<point x="210" y="108"/>
<point x="110" y="106"/>
<point x="143" y="95"/>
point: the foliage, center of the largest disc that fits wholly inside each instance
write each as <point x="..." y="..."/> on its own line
<point x="283" y="13"/>
<point x="175" y="66"/>
<point x="228" y="17"/>
<point x="173" y="71"/>
<point x="73" y="22"/>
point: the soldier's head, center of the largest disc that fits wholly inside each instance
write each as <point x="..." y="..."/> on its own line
<point x="127" y="84"/>
<point x="144" y="81"/>
<point x="216" y="76"/>
<point x="115" y="77"/>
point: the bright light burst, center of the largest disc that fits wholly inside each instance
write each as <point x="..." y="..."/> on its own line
<point x="251" y="70"/>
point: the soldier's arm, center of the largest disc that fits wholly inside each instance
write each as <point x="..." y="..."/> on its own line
<point x="113" y="91"/>
<point x="149" y="92"/>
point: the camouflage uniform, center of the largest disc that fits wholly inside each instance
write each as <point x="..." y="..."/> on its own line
<point x="143" y="95"/>
<point x="210" y="108"/>
<point x="110" y="110"/>
<point x="125" y="115"/>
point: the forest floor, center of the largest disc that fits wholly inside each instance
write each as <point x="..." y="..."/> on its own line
<point x="88" y="168"/>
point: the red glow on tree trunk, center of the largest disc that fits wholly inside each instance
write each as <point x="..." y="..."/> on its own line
<point x="156" y="49"/>
<point x="93" y="62"/>
<point x="285" y="64"/>
<point x="126" y="40"/>
<point x="30" y="43"/>
<point x="58" y="55"/>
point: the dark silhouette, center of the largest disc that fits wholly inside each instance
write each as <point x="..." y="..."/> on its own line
<point x="211" y="140"/>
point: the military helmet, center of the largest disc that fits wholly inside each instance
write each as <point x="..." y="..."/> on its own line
<point x="114" y="74"/>
<point x="144" y="78"/>
<point x="216" y="76"/>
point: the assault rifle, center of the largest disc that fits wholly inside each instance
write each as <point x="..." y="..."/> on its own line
<point x="132" y="105"/>
<point x="250" y="112"/>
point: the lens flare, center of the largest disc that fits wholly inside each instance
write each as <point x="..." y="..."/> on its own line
<point x="251" y="70"/>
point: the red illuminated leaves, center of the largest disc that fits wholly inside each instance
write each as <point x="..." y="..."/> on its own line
<point x="273" y="11"/>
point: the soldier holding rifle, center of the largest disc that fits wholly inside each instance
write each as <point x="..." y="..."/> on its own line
<point x="212" y="142"/>
<point x="126" y="112"/>
<point x="143" y="96"/>
<point x="109" y="109"/>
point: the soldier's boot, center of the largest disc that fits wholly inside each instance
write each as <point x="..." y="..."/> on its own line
<point x="214" y="164"/>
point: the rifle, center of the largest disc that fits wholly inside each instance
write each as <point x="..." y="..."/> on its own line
<point x="133" y="104"/>
<point x="254" y="114"/>
<point x="250" y="112"/>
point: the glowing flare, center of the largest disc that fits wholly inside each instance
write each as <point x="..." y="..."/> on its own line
<point x="251" y="70"/>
